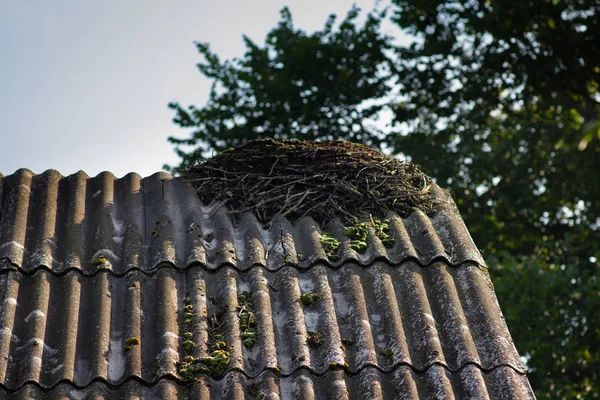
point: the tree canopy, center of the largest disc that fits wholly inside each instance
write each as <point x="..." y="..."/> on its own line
<point x="294" y="86"/>
<point x="503" y="103"/>
<point x="498" y="101"/>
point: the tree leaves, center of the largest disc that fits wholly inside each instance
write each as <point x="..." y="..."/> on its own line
<point x="297" y="85"/>
<point x="503" y="97"/>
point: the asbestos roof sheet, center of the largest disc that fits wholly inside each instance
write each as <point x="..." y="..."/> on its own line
<point x="95" y="274"/>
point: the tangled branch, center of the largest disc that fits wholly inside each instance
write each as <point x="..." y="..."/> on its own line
<point x="323" y="180"/>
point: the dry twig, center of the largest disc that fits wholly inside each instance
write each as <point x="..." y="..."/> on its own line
<point x="292" y="178"/>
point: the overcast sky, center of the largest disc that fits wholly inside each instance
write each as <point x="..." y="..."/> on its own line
<point x="84" y="85"/>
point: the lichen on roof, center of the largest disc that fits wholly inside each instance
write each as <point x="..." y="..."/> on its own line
<point x="323" y="180"/>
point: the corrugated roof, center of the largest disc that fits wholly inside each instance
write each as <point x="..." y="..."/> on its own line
<point x="88" y="263"/>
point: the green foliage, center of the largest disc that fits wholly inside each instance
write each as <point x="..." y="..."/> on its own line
<point x="388" y="354"/>
<point x="553" y="311"/>
<point x="297" y="85"/>
<point x="247" y="320"/>
<point x="358" y="233"/>
<point x="130" y="342"/>
<point x="310" y="299"/>
<point x="330" y="246"/>
<point x="98" y="260"/>
<point x="502" y="104"/>
<point x="314" y="339"/>
<point x="216" y="363"/>
<point x="499" y="101"/>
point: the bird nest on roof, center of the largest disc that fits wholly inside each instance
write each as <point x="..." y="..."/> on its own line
<point x="323" y="180"/>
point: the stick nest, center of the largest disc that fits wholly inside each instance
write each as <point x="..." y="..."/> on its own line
<point x="323" y="180"/>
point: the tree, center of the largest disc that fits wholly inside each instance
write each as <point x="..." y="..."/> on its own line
<point x="502" y="102"/>
<point x="499" y="101"/>
<point x="297" y="85"/>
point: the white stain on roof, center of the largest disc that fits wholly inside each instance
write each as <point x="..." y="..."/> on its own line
<point x="118" y="229"/>
<point x="78" y="394"/>
<point x="106" y="253"/>
<point x="342" y="306"/>
<point x="12" y="244"/>
<point x="171" y="335"/>
<point x="239" y="245"/>
<point x="275" y="245"/>
<point x="8" y="332"/>
<point x="168" y="353"/>
<point x="116" y="357"/>
<point x="209" y="210"/>
<point x="287" y="389"/>
<point x="376" y="318"/>
<point x="57" y="368"/>
<point x="36" y="360"/>
<point x="34" y="314"/>
<point x="341" y="384"/>
<point x="38" y="343"/>
<point x="312" y="320"/>
<point x="243" y="286"/>
<point x="81" y="372"/>
<point x="167" y="356"/>
<point x="42" y="257"/>
<point x="10" y="300"/>
<point x="50" y="242"/>
<point x="364" y="354"/>
<point x="306" y="285"/>
<point x="298" y="384"/>
<point x="32" y="341"/>
<point x="363" y="258"/>
<point x="118" y="225"/>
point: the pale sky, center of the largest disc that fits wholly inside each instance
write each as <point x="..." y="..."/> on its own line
<point x="84" y="85"/>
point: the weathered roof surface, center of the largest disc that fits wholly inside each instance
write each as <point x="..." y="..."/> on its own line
<point x="87" y="263"/>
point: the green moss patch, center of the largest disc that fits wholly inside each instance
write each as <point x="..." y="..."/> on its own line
<point x="388" y="354"/>
<point x="310" y="299"/>
<point x="247" y="320"/>
<point x="358" y="233"/>
<point x="314" y="339"/>
<point x="99" y="260"/>
<point x="330" y="246"/>
<point x="130" y="342"/>
<point x="216" y="363"/>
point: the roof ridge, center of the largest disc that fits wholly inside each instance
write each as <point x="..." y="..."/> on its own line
<point x="6" y="266"/>
<point x="331" y="369"/>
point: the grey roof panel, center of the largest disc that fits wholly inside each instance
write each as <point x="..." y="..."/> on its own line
<point x="502" y="383"/>
<point x="61" y="223"/>
<point x="74" y="327"/>
<point x="418" y="320"/>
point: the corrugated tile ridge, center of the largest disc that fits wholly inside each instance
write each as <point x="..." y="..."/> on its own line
<point x="500" y="384"/>
<point x="258" y="285"/>
<point x="235" y="371"/>
<point x="7" y="266"/>
<point x="497" y="385"/>
<point x="62" y="223"/>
